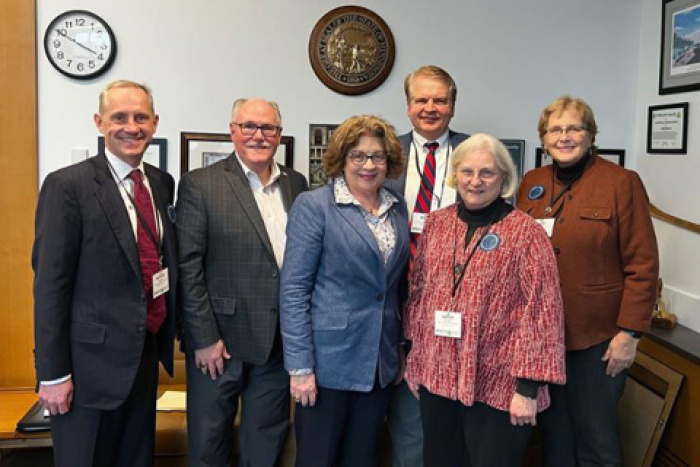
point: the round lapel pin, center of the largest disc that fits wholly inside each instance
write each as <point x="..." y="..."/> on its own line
<point x="490" y="242"/>
<point x="535" y="192"/>
<point x="172" y="214"/>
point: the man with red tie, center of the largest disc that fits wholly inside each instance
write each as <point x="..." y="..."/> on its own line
<point x="105" y="269"/>
<point x="431" y="94"/>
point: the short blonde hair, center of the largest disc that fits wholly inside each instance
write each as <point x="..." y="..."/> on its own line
<point x="124" y="83"/>
<point x="348" y="134"/>
<point x="432" y="72"/>
<point x="500" y="155"/>
<point x="566" y="103"/>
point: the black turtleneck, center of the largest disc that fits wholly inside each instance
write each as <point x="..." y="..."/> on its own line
<point x="475" y="218"/>
<point x="571" y="173"/>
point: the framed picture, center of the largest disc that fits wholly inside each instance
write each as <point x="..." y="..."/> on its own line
<point x="667" y="129"/>
<point x="516" y="148"/>
<point x="156" y="153"/>
<point x="680" y="46"/>
<point x="319" y="137"/>
<point x="616" y="156"/>
<point x="203" y="149"/>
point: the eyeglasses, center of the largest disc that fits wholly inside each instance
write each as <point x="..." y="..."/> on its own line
<point x="360" y="158"/>
<point x="573" y="130"/>
<point x="249" y="129"/>
<point x="485" y="175"/>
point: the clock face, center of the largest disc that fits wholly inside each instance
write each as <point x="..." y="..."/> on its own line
<point x="80" y="44"/>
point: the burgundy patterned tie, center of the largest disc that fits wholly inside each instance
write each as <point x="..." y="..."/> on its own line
<point x="425" y="194"/>
<point x="148" y="251"/>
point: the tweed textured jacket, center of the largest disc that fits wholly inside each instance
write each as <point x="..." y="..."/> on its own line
<point x="510" y="305"/>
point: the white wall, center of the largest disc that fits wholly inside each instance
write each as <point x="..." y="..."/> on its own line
<point x="671" y="180"/>
<point x="509" y="58"/>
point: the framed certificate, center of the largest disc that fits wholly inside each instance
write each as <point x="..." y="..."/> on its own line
<point x="667" y="130"/>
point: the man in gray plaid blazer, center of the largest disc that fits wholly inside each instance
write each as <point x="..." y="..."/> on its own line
<point x="231" y="225"/>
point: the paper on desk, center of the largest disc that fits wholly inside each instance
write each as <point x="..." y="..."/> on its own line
<point x="172" y="401"/>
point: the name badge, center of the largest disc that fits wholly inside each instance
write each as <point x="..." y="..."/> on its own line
<point x="547" y="225"/>
<point x="161" y="283"/>
<point x="418" y="222"/>
<point x="448" y="324"/>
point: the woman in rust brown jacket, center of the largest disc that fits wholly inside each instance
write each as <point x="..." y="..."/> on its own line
<point x="597" y="216"/>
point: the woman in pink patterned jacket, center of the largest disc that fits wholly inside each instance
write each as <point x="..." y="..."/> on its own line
<point x="485" y="317"/>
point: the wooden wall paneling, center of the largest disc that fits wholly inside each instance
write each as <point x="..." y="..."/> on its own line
<point x="18" y="188"/>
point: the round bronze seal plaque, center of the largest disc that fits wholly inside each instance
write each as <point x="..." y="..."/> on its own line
<point x="351" y="50"/>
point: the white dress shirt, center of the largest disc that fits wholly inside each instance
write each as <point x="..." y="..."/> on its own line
<point x="443" y="195"/>
<point x="271" y="207"/>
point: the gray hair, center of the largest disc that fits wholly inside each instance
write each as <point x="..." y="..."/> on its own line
<point x="500" y="154"/>
<point x="239" y="102"/>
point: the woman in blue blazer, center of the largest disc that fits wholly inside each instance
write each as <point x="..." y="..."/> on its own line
<point x="347" y="246"/>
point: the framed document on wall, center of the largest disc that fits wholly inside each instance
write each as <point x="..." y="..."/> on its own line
<point x="667" y="129"/>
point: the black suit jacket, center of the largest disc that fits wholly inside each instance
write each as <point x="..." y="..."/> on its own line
<point x="89" y="302"/>
<point x="229" y="277"/>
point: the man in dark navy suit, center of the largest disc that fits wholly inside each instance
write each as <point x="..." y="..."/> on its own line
<point x="104" y="290"/>
<point x="431" y="94"/>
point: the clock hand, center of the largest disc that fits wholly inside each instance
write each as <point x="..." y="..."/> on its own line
<point x="75" y="42"/>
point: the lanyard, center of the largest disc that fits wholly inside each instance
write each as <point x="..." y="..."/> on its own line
<point x="420" y="172"/>
<point x="155" y="238"/>
<point x="457" y="281"/>
<point x="556" y="198"/>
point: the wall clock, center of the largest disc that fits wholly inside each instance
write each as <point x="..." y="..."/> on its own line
<point x="80" y="44"/>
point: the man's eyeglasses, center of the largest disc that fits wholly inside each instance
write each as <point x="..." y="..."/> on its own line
<point x="359" y="158"/>
<point x="485" y="175"/>
<point x="573" y="130"/>
<point x="249" y="129"/>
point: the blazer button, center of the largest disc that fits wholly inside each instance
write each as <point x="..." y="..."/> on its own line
<point x="140" y="330"/>
<point x="275" y="273"/>
<point x="273" y="310"/>
<point x="380" y="297"/>
<point x="556" y="251"/>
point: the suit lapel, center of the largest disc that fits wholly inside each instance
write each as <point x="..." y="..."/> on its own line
<point x="113" y="206"/>
<point x="406" y="144"/>
<point x="233" y="172"/>
<point x="351" y="214"/>
<point x="455" y="141"/>
<point x="286" y="188"/>
<point x="397" y="260"/>
<point x="161" y="199"/>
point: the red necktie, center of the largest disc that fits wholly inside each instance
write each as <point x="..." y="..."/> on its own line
<point x="425" y="194"/>
<point x="148" y="251"/>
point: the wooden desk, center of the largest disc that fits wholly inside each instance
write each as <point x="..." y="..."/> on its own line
<point x="13" y="406"/>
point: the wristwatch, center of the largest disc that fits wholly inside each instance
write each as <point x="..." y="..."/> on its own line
<point x="635" y="334"/>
